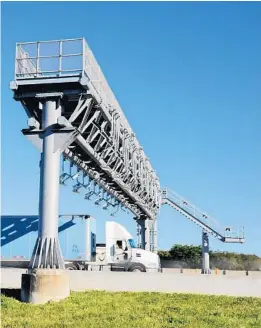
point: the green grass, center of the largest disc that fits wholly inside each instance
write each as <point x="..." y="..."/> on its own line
<point x="119" y="310"/>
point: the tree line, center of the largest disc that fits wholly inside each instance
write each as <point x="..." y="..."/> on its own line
<point x="189" y="256"/>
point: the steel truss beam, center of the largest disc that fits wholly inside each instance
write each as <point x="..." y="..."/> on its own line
<point x="86" y="133"/>
<point x="101" y="182"/>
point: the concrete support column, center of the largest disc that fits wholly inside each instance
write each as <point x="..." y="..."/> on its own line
<point x="47" y="252"/>
<point x="42" y="285"/>
<point x="205" y="253"/>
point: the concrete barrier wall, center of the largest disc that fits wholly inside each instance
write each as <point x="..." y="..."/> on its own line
<point x="150" y="282"/>
<point x="171" y="264"/>
<point x="213" y="272"/>
<point x="24" y="264"/>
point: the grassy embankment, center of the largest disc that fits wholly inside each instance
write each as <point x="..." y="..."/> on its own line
<point x="119" y="310"/>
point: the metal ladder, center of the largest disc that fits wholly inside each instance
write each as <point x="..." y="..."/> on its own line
<point x="202" y="219"/>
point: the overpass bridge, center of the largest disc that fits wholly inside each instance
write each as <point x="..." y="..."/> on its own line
<point x="74" y="117"/>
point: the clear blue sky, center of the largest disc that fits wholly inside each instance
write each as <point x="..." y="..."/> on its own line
<point x="187" y="76"/>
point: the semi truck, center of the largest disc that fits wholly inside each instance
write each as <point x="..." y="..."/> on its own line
<point x="77" y="236"/>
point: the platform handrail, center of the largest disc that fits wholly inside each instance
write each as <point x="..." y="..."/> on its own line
<point x="200" y="217"/>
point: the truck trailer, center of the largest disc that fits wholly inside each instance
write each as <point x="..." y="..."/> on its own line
<point x="77" y="236"/>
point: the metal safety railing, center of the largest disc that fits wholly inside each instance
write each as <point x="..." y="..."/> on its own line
<point x="202" y="218"/>
<point x="61" y="58"/>
<point x="43" y="59"/>
<point x="185" y="204"/>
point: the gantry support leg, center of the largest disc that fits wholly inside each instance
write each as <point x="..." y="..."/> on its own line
<point x="47" y="280"/>
<point x="205" y="253"/>
<point x="138" y="235"/>
<point x="47" y="252"/>
<point x="153" y="235"/>
<point x="147" y="235"/>
<point x="141" y="233"/>
<point x="144" y="238"/>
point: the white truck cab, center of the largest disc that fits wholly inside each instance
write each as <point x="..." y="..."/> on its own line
<point x="120" y="251"/>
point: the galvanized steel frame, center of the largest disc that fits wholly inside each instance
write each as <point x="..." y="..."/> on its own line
<point x="96" y="126"/>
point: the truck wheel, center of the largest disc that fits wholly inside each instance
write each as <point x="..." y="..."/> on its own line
<point x="80" y="266"/>
<point x="137" y="268"/>
<point x="71" y="266"/>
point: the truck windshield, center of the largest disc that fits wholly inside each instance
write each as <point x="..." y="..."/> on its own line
<point x="132" y="243"/>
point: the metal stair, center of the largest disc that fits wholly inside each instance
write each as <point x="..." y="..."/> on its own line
<point x="200" y="218"/>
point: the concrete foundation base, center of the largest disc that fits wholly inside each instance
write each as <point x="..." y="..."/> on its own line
<point x="43" y="285"/>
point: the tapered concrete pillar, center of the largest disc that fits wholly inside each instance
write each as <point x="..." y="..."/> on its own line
<point x="205" y="254"/>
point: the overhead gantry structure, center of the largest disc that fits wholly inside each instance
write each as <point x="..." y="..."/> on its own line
<point x="207" y="223"/>
<point x="73" y="112"/>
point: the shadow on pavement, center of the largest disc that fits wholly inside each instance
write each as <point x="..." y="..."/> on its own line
<point x="11" y="292"/>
